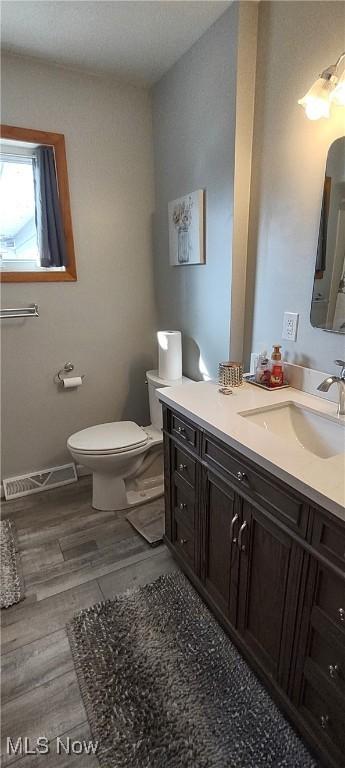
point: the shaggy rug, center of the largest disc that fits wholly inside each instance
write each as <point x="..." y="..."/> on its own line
<point x="164" y="686"/>
<point x="11" y="580"/>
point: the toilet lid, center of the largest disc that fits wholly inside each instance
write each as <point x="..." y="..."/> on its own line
<point x="108" y="438"/>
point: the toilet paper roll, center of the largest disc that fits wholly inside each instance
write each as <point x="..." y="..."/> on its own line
<point x="169" y="355"/>
<point x="72" y="381"/>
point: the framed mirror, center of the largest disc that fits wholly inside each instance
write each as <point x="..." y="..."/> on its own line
<point x="328" y="299"/>
<point x="36" y="236"/>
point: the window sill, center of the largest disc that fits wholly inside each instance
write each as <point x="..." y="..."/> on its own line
<point x="38" y="277"/>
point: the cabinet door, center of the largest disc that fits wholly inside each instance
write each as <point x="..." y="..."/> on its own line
<point x="270" y="565"/>
<point x="220" y="522"/>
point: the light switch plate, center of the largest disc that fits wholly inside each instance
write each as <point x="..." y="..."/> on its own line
<point x="290" y="324"/>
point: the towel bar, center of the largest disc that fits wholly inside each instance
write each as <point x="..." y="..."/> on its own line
<point x="8" y="313"/>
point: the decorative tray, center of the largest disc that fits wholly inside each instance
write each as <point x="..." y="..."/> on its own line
<point x="250" y="378"/>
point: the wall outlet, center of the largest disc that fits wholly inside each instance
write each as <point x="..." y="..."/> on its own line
<point x="290" y="324"/>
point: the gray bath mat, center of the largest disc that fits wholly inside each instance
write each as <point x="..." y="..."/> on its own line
<point x="164" y="687"/>
<point x="11" y="583"/>
<point x="148" y="520"/>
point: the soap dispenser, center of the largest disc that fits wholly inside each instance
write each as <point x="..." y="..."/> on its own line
<point x="277" y="367"/>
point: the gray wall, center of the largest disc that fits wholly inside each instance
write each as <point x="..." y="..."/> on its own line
<point x="296" y="41"/>
<point x="105" y="321"/>
<point x="194" y="138"/>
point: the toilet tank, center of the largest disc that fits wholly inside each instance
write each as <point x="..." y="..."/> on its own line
<point x="154" y="382"/>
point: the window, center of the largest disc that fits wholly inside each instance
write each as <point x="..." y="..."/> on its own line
<point x="18" y="233"/>
<point x="36" y="240"/>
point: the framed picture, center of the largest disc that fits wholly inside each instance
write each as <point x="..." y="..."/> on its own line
<point x="186" y="229"/>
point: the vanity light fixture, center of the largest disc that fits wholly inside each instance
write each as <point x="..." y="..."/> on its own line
<point x="328" y="88"/>
<point x="338" y="95"/>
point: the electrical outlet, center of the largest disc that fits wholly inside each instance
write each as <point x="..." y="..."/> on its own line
<point x="290" y="324"/>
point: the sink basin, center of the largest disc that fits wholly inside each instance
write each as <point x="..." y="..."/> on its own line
<point x="317" y="433"/>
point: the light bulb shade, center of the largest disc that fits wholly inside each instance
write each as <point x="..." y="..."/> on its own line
<point x="338" y="94"/>
<point x="316" y="101"/>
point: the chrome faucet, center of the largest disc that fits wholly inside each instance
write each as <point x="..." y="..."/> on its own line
<point x="340" y="380"/>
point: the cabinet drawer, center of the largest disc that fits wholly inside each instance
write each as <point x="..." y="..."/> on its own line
<point x="329" y="657"/>
<point x="183" y="465"/>
<point x="183" y="503"/>
<point x="328" y="538"/>
<point x="330" y="597"/>
<point x="324" y="711"/>
<point x="184" y="431"/>
<point x="271" y="495"/>
<point x="183" y="540"/>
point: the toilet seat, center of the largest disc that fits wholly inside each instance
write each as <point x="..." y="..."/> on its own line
<point x="110" y="438"/>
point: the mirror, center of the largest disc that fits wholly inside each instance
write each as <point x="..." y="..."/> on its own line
<point x="36" y="238"/>
<point x="328" y="299"/>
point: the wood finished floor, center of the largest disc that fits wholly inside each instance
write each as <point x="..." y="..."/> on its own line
<point x="72" y="557"/>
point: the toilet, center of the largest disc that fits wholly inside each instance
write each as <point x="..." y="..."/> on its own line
<point x="126" y="460"/>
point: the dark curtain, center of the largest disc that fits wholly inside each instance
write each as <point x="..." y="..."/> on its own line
<point x="320" y="265"/>
<point x="50" y="233"/>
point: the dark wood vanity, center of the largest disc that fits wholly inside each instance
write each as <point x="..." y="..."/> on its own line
<point x="271" y="566"/>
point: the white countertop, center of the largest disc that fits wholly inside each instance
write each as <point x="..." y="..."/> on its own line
<point x="321" y="480"/>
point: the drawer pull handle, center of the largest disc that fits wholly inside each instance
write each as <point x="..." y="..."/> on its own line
<point x="242" y="547"/>
<point x="182" y="506"/>
<point x="324" y="720"/>
<point x="182" y="467"/>
<point x="181" y="430"/>
<point x="233" y="523"/>
<point x="241" y="476"/>
<point x="341" y="614"/>
<point x="333" y="670"/>
<point x="183" y="541"/>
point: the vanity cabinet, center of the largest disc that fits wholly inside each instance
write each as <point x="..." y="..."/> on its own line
<point x="272" y="569"/>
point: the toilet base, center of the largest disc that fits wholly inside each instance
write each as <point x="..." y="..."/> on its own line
<point x="112" y="494"/>
<point x="108" y="493"/>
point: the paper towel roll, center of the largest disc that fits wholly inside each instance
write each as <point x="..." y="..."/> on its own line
<point x="169" y="355"/>
<point x="72" y="381"/>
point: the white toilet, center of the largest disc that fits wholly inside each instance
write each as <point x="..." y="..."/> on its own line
<point x="126" y="460"/>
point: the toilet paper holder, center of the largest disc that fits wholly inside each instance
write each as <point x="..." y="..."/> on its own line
<point x="68" y="368"/>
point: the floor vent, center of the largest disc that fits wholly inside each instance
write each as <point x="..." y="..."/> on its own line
<point x="36" y="482"/>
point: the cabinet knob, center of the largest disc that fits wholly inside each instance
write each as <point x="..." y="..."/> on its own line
<point x="324" y="720"/>
<point x="183" y="541"/>
<point x="182" y="506"/>
<point x="241" y="476"/>
<point x="182" y="467"/>
<point x="341" y="614"/>
<point x="333" y="670"/>
<point x="181" y="430"/>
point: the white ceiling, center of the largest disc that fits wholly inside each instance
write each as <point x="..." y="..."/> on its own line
<point x="135" y="40"/>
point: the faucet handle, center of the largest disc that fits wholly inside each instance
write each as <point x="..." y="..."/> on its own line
<point x="341" y="363"/>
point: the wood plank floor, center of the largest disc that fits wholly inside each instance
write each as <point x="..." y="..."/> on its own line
<point x="72" y="557"/>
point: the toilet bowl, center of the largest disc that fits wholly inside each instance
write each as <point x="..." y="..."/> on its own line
<point x="126" y="460"/>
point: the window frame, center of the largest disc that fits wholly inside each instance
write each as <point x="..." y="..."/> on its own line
<point x="56" y="140"/>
